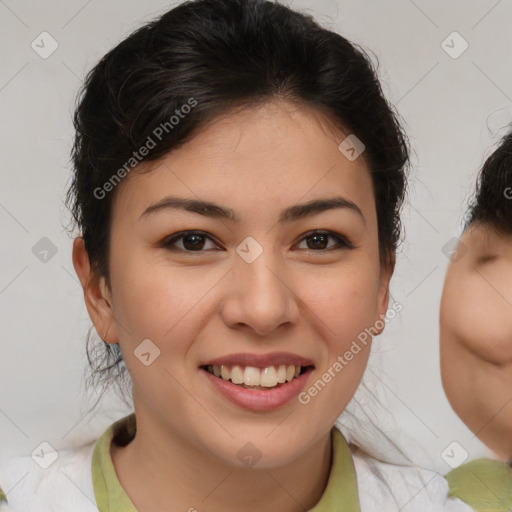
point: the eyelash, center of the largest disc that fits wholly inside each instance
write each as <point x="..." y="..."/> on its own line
<point x="342" y="242"/>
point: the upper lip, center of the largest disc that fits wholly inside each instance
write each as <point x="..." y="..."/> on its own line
<point x="259" y="360"/>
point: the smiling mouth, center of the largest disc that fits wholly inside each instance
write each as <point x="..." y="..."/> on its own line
<point x="251" y="377"/>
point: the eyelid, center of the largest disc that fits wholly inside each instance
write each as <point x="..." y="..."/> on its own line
<point x="486" y="258"/>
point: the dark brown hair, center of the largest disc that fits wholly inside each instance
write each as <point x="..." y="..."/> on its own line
<point x="492" y="204"/>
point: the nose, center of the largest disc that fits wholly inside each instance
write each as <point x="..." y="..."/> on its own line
<point x="260" y="295"/>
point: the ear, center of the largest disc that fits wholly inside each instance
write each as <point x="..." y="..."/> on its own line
<point x="386" y="271"/>
<point x="97" y="296"/>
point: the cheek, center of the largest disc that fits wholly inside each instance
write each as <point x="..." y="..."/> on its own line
<point x="159" y="301"/>
<point x="343" y="306"/>
<point x="344" y="298"/>
<point x="344" y="310"/>
<point x="167" y="306"/>
<point x="477" y="312"/>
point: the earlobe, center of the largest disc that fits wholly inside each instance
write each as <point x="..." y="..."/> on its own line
<point x="96" y="294"/>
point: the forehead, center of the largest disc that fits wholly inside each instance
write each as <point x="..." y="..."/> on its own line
<point x="277" y="153"/>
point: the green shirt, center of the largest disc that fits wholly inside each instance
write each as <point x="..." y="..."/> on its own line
<point x="483" y="483"/>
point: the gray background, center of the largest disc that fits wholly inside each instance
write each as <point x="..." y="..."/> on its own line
<point x="455" y="109"/>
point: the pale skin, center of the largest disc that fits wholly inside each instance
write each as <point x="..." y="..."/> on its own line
<point x="205" y="304"/>
<point x="476" y="336"/>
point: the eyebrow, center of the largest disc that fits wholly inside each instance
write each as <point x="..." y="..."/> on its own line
<point x="215" y="211"/>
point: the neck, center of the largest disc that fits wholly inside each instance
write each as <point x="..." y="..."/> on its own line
<point x="159" y="467"/>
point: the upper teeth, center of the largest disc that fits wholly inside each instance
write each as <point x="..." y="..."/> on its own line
<point x="251" y="376"/>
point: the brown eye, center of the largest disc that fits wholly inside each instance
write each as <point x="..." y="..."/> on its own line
<point x="318" y="241"/>
<point x="191" y="241"/>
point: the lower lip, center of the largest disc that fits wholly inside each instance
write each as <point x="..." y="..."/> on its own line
<point x="259" y="400"/>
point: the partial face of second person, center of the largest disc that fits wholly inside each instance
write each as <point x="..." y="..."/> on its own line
<point x="476" y="335"/>
<point x="198" y="299"/>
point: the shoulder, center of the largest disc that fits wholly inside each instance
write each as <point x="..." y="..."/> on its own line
<point x="33" y="484"/>
<point x="404" y="488"/>
<point x="485" y="483"/>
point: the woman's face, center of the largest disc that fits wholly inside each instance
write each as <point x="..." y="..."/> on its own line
<point x="258" y="293"/>
<point x="476" y="335"/>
